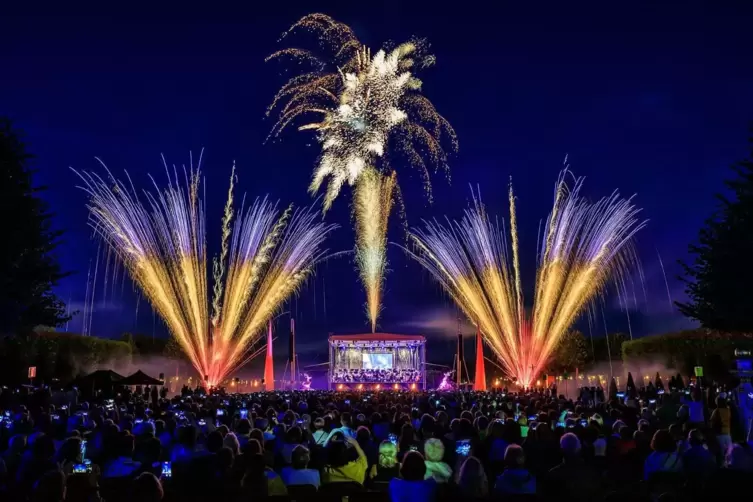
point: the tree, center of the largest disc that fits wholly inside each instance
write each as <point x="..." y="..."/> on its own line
<point x="608" y="347"/>
<point x="571" y="352"/>
<point x="128" y="338"/>
<point x="28" y="268"/>
<point x="718" y="283"/>
<point x="173" y="350"/>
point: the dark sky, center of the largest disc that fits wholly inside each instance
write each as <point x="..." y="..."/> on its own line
<point x="653" y="98"/>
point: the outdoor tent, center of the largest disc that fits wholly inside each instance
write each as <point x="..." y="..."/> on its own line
<point x="98" y="380"/>
<point x="140" y="378"/>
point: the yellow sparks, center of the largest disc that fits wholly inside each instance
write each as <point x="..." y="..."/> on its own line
<point x="585" y="247"/>
<point x="161" y="242"/>
<point x="369" y="116"/>
<point x="371" y="209"/>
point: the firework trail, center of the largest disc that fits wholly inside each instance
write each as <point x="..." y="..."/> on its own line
<point x="584" y="247"/>
<point x="373" y="203"/>
<point x="666" y="284"/>
<point x="368" y="114"/>
<point x="160" y="238"/>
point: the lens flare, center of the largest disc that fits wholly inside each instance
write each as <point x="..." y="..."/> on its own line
<point x="585" y="247"/>
<point x="160" y="238"/>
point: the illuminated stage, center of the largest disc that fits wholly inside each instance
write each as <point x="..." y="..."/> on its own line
<point x="383" y="359"/>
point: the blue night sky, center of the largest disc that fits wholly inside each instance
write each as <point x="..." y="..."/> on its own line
<point x="653" y="98"/>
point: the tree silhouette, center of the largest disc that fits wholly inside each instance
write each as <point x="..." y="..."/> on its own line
<point x="718" y="282"/>
<point x="28" y="268"/>
<point x="571" y="352"/>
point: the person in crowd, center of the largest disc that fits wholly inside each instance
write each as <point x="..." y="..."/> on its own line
<point x="721" y="420"/>
<point x="695" y="418"/>
<point x="573" y="479"/>
<point x="69" y="454"/>
<point x="407" y="440"/>
<point x="35" y="462"/>
<point x="345" y="461"/>
<point x="12" y="456"/>
<point x="293" y="439"/>
<point x="696" y="459"/>
<point x="738" y="459"/>
<point x="147" y="488"/>
<point x="541" y="449"/>
<point x="387" y="466"/>
<point x="320" y="435"/>
<point x="231" y="441"/>
<point x="4" y="495"/>
<point x="123" y="465"/>
<point x="665" y="456"/>
<point x="471" y="480"/>
<point x="260" y="481"/>
<point x="346" y="425"/>
<point x="436" y="468"/>
<point x="298" y="473"/>
<point x="81" y="487"/>
<point x="412" y="485"/>
<point x="515" y="479"/>
<point x="50" y="487"/>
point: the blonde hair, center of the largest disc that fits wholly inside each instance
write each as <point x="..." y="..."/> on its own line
<point x="387" y="454"/>
<point x="434" y="450"/>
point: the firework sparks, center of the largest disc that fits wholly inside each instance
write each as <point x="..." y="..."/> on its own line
<point x="372" y="206"/>
<point x="369" y="116"/>
<point x="265" y="257"/>
<point x="585" y="246"/>
<point x="368" y="106"/>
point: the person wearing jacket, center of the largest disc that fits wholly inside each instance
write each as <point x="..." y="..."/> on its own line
<point x="515" y="479"/>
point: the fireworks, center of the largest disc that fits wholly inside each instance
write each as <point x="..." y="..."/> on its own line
<point x="368" y="105"/>
<point x="369" y="116"/>
<point x="265" y="257"/>
<point x="584" y="247"/>
<point x="372" y="206"/>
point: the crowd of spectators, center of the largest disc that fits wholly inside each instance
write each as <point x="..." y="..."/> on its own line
<point x="401" y="446"/>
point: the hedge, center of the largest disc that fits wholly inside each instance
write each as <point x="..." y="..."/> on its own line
<point x="685" y="349"/>
<point x="58" y="355"/>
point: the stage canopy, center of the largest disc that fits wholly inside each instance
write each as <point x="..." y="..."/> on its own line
<point x="140" y="378"/>
<point x="377" y="337"/>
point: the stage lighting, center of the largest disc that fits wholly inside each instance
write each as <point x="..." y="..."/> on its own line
<point x="396" y="387"/>
<point x="412" y="386"/>
<point x="360" y="386"/>
<point x="378" y="387"/>
<point x="340" y="387"/>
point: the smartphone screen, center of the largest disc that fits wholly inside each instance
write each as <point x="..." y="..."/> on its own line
<point x="167" y="469"/>
<point x="82" y="468"/>
<point x="463" y="447"/>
